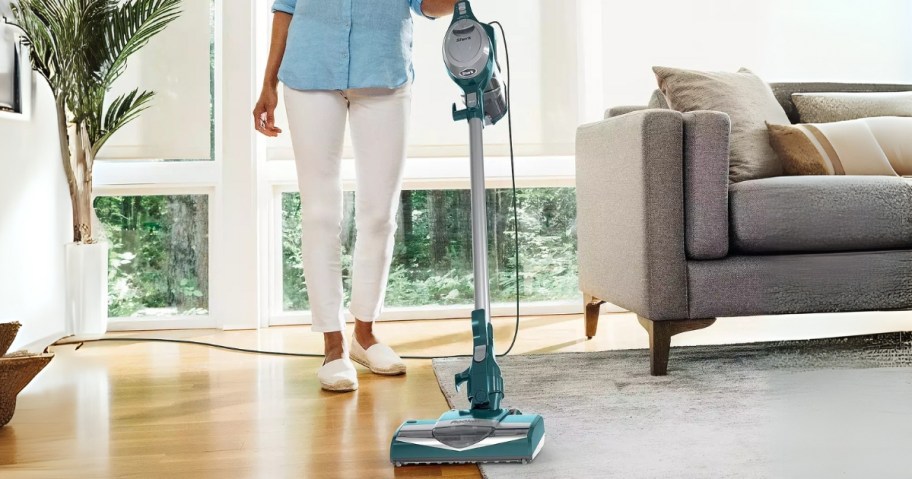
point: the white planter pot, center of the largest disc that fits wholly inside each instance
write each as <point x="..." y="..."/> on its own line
<point x="87" y="289"/>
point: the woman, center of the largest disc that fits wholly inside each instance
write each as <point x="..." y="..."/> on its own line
<point x="338" y="59"/>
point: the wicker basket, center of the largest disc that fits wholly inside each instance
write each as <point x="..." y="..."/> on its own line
<point x="7" y="335"/>
<point x="16" y="371"/>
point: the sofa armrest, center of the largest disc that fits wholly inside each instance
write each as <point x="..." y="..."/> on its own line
<point x="630" y="212"/>
<point x="706" y="146"/>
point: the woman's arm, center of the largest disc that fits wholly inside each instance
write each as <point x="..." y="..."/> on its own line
<point x="264" y="112"/>
<point x="438" y="8"/>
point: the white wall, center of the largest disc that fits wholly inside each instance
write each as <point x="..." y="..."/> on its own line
<point x="780" y="40"/>
<point x="34" y="223"/>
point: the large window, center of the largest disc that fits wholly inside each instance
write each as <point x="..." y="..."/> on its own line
<point x="158" y="265"/>
<point x="431" y="274"/>
<point x="432" y="261"/>
<point x="224" y="208"/>
<point x="158" y="262"/>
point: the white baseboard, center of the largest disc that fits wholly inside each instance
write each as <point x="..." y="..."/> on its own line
<point x="161" y="323"/>
<point x="38" y="346"/>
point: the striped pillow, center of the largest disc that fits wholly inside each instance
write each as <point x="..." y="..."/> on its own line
<point x="867" y="146"/>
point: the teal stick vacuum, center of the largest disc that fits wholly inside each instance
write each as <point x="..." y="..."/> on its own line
<point x="485" y="432"/>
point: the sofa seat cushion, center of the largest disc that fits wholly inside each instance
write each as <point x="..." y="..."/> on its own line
<point x="809" y="214"/>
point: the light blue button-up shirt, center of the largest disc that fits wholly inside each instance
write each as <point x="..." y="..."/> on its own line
<point x="342" y="44"/>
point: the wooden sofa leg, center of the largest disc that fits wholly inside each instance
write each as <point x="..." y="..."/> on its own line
<point x="660" y="333"/>
<point x="591" y="306"/>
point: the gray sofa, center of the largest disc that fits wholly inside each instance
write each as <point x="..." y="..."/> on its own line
<point x="663" y="234"/>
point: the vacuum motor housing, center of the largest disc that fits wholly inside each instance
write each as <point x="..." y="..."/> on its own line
<point x="469" y="53"/>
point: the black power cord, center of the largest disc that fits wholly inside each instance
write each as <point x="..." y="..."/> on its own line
<point x="81" y="342"/>
<point x="513" y="181"/>
<point x="312" y="355"/>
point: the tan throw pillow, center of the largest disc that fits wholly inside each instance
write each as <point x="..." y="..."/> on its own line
<point x="747" y="100"/>
<point x="830" y="107"/>
<point x="867" y="146"/>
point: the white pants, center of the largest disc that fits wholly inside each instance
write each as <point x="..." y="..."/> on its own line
<point x="379" y="125"/>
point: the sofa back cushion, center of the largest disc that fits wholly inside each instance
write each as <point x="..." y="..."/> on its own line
<point x="657" y="100"/>
<point x="784" y="91"/>
<point x="843" y="106"/>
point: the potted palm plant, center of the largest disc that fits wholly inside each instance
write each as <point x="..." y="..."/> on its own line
<point x="81" y="48"/>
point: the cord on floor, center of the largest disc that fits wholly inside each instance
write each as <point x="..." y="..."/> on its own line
<point x="80" y="343"/>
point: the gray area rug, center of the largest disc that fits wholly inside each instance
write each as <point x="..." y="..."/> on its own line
<point x="800" y="409"/>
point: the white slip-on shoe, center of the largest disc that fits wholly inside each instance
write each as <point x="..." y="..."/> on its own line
<point x="379" y="358"/>
<point x="338" y="376"/>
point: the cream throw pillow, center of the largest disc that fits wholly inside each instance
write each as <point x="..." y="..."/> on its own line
<point x="747" y="100"/>
<point x="867" y="146"/>
<point x="830" y="107"/>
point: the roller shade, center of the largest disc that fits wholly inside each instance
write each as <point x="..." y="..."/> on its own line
<point x="176" y="65"/>
<point x="542" y="40"/>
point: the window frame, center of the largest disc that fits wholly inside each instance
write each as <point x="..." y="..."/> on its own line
<point x="177" y="321"/>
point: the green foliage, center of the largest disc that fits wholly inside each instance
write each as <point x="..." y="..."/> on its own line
<point x="148" y="275"/>
<point x="547" y="241"/>
<point x="440" y="222"/>
<point x="292" y="272"/>
<point x="146" y="272"/>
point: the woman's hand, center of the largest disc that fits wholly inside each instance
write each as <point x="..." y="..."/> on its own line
<point x="438" y="8"/>
<point x="264" y="112"/>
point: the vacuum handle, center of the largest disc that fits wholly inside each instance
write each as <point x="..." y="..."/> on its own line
<point x="462" y="378"/>
<point x="462" y="10"/>
<point x="482" y="344"/>
<point x="484" y="378"/>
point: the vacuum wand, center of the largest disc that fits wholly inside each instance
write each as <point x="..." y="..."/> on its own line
<point x="479" y="216"/>
<point x="485" y="383"/>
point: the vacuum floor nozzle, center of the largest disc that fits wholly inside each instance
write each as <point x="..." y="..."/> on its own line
<point x="474" y="436"/>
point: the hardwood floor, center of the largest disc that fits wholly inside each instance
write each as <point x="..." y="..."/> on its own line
<point x="165" y="410"/>
<point x="140" y="410"/>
